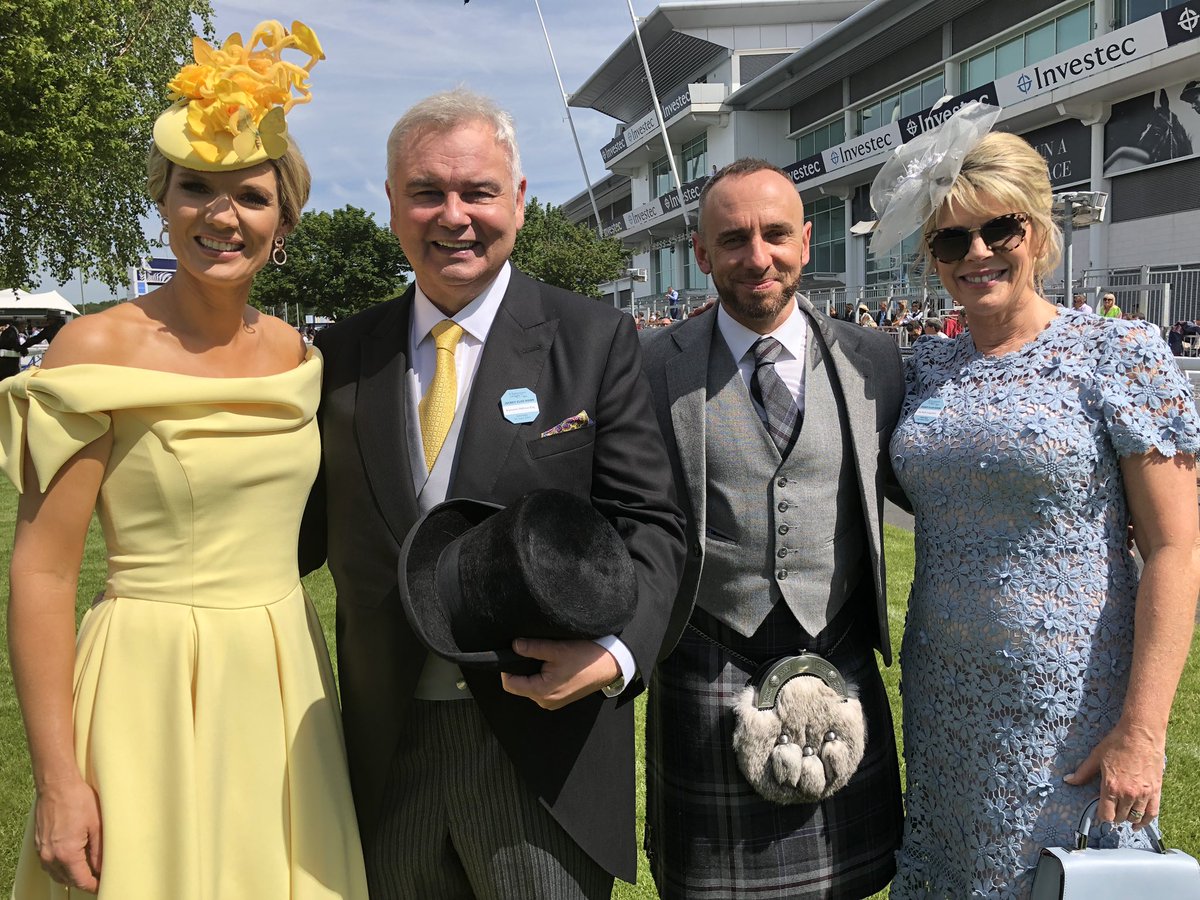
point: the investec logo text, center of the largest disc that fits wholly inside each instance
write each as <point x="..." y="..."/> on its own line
<point x="691" y="193"/>
<point x="1074" y="66"/>
<point x="646" y="214"/>
<point x="640" y="130"/>
<point x="935" y="117"/>
<point x="672" y="109"/>
<point x="843" y="156"/>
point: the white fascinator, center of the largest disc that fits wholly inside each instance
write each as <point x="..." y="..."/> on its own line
<point x="917" y="178"/>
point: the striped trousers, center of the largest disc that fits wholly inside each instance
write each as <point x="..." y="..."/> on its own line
<point x="458" y="822"/>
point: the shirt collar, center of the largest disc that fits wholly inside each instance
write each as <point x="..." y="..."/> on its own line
<point x="792" y="333"/>
<point x="475" y="318"/>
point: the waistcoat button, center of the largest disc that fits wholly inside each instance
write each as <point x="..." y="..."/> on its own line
<point x="783" y="506"/>
<point x="781" y="574"/>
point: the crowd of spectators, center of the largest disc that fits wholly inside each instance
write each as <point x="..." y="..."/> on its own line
<point x="910" y="320"/>
<point x="670" y="314"/>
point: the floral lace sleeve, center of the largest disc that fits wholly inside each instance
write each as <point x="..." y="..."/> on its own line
<point x="1145" y="400"/>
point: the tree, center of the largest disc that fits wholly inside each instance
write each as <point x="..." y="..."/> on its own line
<point x="551" y="248"/>
<point x="338" y="263"/>
<point x="81" y="83"/>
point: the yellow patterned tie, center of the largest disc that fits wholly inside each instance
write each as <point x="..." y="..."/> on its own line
<point x="436" y="408"/>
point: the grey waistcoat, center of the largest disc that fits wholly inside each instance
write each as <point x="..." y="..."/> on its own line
<point x="790" y="528"/>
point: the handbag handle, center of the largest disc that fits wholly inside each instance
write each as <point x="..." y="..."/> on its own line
<point x="1085" y="827"/>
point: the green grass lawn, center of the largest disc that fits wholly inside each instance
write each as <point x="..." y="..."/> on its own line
<point x="1181" y="795"/>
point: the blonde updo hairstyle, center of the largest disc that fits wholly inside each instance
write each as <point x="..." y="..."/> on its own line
<point x="1004" y="169"/>
<point x="291" y="177"/>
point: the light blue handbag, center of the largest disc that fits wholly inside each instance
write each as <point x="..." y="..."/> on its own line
<point x="1120" y="873"/>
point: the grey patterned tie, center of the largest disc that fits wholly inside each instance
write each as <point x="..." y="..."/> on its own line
<point x="783" y="416"/>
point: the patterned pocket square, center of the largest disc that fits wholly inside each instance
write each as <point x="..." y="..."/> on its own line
<point x="579" y="420"/>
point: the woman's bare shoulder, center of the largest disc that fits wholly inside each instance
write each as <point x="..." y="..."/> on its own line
<point x="281" y="337"/>
<point x="104" y="337"/>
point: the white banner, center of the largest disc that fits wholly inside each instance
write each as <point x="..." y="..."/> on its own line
<point x="1114" y="49"/>
<point x="879" y="142"/>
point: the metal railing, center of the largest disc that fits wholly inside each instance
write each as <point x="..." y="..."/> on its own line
<point x="876" y="296"/>
<point x="1141" y="290"/>
<point x="1162" y="294"/>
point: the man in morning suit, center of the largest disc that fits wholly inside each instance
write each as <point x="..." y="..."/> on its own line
<point x="470" y="783"/>
<point x="777" y="421"/>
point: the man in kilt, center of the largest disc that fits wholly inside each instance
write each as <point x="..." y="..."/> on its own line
<point x="777" y="420"/>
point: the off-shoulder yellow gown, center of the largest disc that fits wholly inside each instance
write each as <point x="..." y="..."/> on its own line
<point x="205" y="711"/>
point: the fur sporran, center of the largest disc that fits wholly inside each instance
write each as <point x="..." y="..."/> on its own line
<point x="800" y="734"/>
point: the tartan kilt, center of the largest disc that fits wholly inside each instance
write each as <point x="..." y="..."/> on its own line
<point x="709" y="836"/>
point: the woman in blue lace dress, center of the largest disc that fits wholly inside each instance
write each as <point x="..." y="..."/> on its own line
<point x="1037" y="672"/>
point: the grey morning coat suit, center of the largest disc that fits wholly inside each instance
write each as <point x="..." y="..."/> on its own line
<point x="784" y="553"/>
<point x="574" y="354"/>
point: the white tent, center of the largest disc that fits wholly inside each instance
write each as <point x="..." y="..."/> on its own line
<point x="18" y="303"/>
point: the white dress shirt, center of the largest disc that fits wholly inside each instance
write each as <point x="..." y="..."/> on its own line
<point x="476" y="320"/>
<point x="792" y="334"/>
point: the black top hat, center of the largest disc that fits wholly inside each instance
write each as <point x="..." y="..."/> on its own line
<point x="474" y="576"/>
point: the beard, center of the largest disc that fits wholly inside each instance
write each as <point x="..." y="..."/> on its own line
<point x="761" y="308"/>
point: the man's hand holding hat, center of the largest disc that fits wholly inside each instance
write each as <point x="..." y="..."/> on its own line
<point x="571" y="670"/>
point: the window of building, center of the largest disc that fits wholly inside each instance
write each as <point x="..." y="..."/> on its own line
<point x="912" y="99"/>
<point x="822" y="138"/>
<point x="662" y="265"/>
<point x="693" y="278"/>
<point x="694" y="155"/>
<point x="827" y="247"/>
<point x="895" y="267"/>
<point x="1032" y="46"/>
<point x="660" y="177"/>
<point x="1133" y="10"/>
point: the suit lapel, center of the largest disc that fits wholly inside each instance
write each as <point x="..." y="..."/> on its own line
<point x="854" y="370"/>
<point x="517" y="347"/>
<point x="687" y="384"/>
<point x="381" y="418"/>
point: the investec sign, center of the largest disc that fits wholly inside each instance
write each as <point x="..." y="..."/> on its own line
<point x="691" y="194"/>
<point x="919" y="123"/>
<point x="638" y="132"/>
<point x="875" y="143"/>
<point x="882" y="141"/>
<point x="664" y="205"/>
<point x="1173" y="26"/>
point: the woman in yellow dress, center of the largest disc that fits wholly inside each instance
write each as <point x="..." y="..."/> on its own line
<point x="188" y="745"/>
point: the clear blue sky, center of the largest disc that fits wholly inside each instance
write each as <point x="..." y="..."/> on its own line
<point x="383" y="55"/>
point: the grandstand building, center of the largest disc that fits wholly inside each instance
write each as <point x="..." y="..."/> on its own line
<point x="1108" y="91"/>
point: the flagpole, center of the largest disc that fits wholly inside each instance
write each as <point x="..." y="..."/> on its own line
<point x="563" y="93"/>
<point x="662" y="125"/>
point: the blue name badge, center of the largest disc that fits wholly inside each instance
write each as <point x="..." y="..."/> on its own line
<point x="929" y="410"/>
<point x="519" y="405"/>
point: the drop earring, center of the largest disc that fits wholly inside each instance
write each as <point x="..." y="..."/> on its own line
<point x="279" y="254"/>
<point x="163" y="233"/>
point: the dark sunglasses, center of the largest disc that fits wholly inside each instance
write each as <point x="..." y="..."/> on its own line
<point x="1001" y="233"/>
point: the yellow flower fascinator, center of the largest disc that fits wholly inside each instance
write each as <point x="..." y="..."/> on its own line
<point x="230" y="104"/>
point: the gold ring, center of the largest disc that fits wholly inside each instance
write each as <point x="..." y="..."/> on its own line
<point x="1136" y="814"/>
